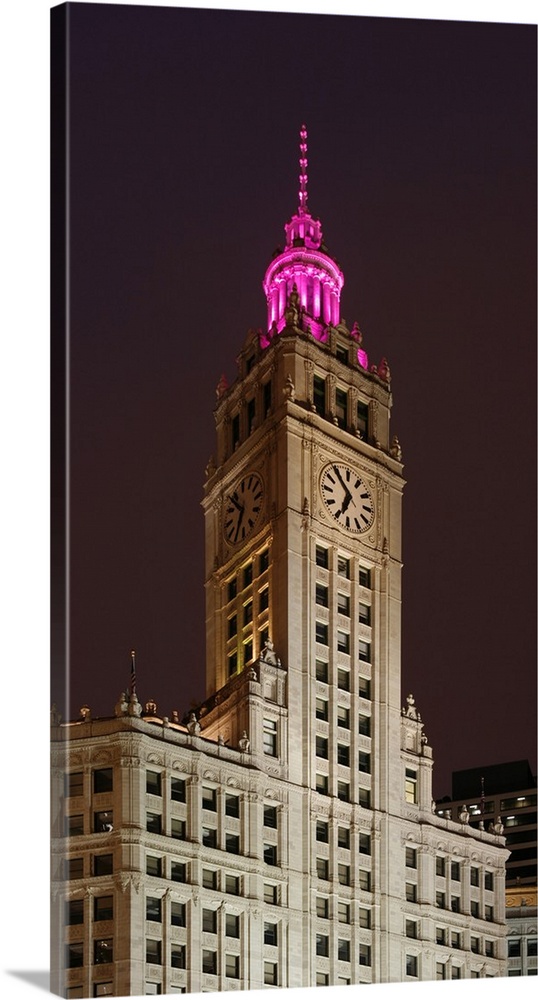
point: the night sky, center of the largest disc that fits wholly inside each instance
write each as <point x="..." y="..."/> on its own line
<point x="183" y="169"/>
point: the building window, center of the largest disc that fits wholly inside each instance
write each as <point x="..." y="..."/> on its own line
<point x="235" y="431"/>
<point x="343" y="567"/>
<point x="270" y="935"/>
<point x="322" y="557"/>
<point x="232" y="885"/>
<point x="102" y="864"/>
<point x="364" y="725"/>
<point x="532" y="947"/>
<point x="270" y="737"/>
<point x="365" y="654"/>
<point x="232" y="806"/>
<point x="74" y="955"/>
<point x="365" y="688"/>
<point x="232" y="664"/>
<point x="475" y="875"/>
<point x="103" y="952"/>
<point x="455" y="871"/>
<point x="440" y="970"/>
<point x="74" y="826"/>
<point x="344" y="874"/>
<point x="410" y="857"/>
<point x="322" y="671"/>
<point x="100" y="990"/>
<point x="247" y="613"/>
<point x="153" y="952"/>
<point x="343" y="791"/>
<point x="440" y="935"/>
<point x="322" y="595"/>
<point x="342" y="754"/>
<point x="343" y="837"/>
<point x="365" y="612"/>
<point x="365" y="577"/>
<point x="440" y="900"/>
<point x="270" y="973"/>
<point x="251" y="415"/>
<point x="153" y="989"/>
<point x="74" y="912"/>
<point x="364" y="798"/>
<point x="103" y="908"/>
<point x="103" y="822"/>
<point x="209" y="836"/>
<point x="455" y="904"/>
<point x="178" y="829"/>
<point x="177" y="790"/>
<point x="264" y="560"/>
<point x="178" y="871"/>
<point x="364" y="762"/>
<point x="102" y="780"/>
<point x="440" y="866"/>
<point x="270" y="817"/>
<point x="411" y="892"/>
<point x="322" y="747"/>
<point x="344" y="913"/>
<point x="209" y="798"/>
<point x="209" y="921"/>
<point x="322" y="633"/>
<point x="154" y="908"/>
<point x="341" y="408"/>
<point x="267" y="395"/>
<point x="322" y="831"/>
<point x="411" y="965"/>
<point x="232" y="626"/>
<point x="365" y="843"/>
<point x="177" y="956"/>
<point x="365" y="918"/>
<point x="322" y="907"/>
<point x="232" y="843"/>
<point x="247" y="651"/>
<point x="475" y="945"/>
<point x="455" y="939"/>
<point x="488" y="881"/>
<point x="209" y="962"/>
<point x="514" y="949"/>
<point x="270" y="854"/>
<point x="362" y="420"/>
<point x="365" y="954"/>
<point x="153" y="823"/>
<point x="154" y="866"/>
<point x="322" y="945"/>
<point x="209" y="878"/>
<point x="456" y="972"/>
<point x="264" y="599"/>
<point x="475" y="909"/>
<point x="489" y="949"/>
<point x="343" y="605"/>
<point x="232" y="966"/>
<point x="319" y="395"/>
<point x="322" y="784"/>
<point x="178" y="915"/>
<point x="322" y="709"/>
<point x="410" y="785"/>
<point x="270" y="893"/>
<point x="342" y="353"/>
<point x="153" y="783"/>
<point x="343" y="717"/>
<point x="411" y="929"/>
<point x="342" y="641"/>
<point x="247" y="574"/>
<point x="322" y="868"/>
<point x="343" y="949"/>
<point x="74" y="868"/>
<point x="322" y="978"/>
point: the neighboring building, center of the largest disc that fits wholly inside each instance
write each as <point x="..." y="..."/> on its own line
<point x="507" y="791"/>
<point x="286" y="836"/>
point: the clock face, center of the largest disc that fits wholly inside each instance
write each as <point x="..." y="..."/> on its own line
<point x="347" y="498"/>
<point x="243" y="508"/>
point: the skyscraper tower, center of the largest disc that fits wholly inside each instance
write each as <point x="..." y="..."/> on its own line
<point x="288" y="825"/>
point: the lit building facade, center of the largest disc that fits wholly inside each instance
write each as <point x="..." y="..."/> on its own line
<point x="285" y="835"/>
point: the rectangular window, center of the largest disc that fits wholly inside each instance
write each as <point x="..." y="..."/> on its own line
<point x="322" y="709"/>
<point x="440" y="900"/>
<point x="74" y="955"/>
<point x="178" y="914"/>
<point x="322" y="747"/>
<point x="74" y="826"/>
<point x="232" y="588"/>
<point x="74" y="912"/>
<point x="344" y="567"/>
<point x="343" y="717"/>
<point x="532" y="944"/>
<point x="343" y="791"/>
<point x="342" y="641"/>
<point x="322" y="978"/>
<point x="209" y="798"/>
<point x="178" y="829"/>
<point x="209" y="878"/>
<point x="455" y="871"/>
<point x="322" y="831"/>
<point x="365" y="918"/>
<point x="270" y="817"/>
<point x="264" y="560"/>
<point x="103" y="864"/>
<point x="410" y="785"/>
<point x="365" y="843"/>
<point x="322" y="671"/>
<point x="102" y="780"/>
<point x="270" y="737"/>
<point x="410" y="857"/>
<point x="177" y="956"/>
<point x="232" y="664"/>
<point x="343" y="950"/>
<point x="153" y="989"/>
<point x="364" y="725"/>
<point x="475" y="875"/>
<point x="475" y="909"/>
<point x="154" y="866"/>
<point x="247" y="574"/>
<point x="209" y="921"/>
<point x="264" y="599"/>
<point x="232" y="885"/>
<point x="270" y="973"/>
<point x="475" y="945"/>
<point x="235" y="431"/>
<point x="322" y="945"/>
<point x="270" y="935"/>
<point x="322" y="868"/>
<point x="411" y="965"/>
<point x="364" y="762"/>
<point x="344" y="874"/>
<point x="365" y="688"/>
<point x="270" y="854"/>
<point x="440" y="970"/>
<point x="100" y="990"/>
<point x="365" y="954"/>
<point x="153" y="823"/>
<point x="322" y="556"/>
<point x="103" y="822"/>
<point x="153" y="783"/>
<point x="365" y="612"/>
<point x="488" y="881"/>
<point x="209" y="836"/>
<point x="270" y="893"/>
<point x="209" y="962"/>
<point x="343" y="678"/>
<point x="455" y="904"/>
<point x="232" y="843"/>
<point x="362" y="420"/>
<point x="456" y="972"/>
<point x="247" y="651"/>
<point x="267" y="397"/>
<point x="103" y="908"/>
<point x="364" y="797"/>
<point x="514" y="949"/>
<point x="232" y="626"/>
<point x="365" y="880"/>
<point x="103" y="951"/>
<point x="319" y="395"/>
<point x="154" y="908"/>
<point x="343" y="837"/>
<point x="411" y="929"/>
<point x="247" y="613"/>
<point x="342" y="353"/>
<point x="489" y="949"/>
<point x="178" y="871"/>
<point x="342" y="754"/>
<point x="232" y="806"/>
<point x="322" y="595"/>
<point x="365" y="577"/>
<point x="322" y="784"/>
<point x="177" y="790"/>
<point x="251" y="415"/>
<point x="440" y="866"/>
<point x="322" y="633"/>
<point x="440" y="935"/>
<point x="153" y="952"/>
<point x="322" y="907"/>
<point x="365" y="654"/>
<point x="455" y="939"/>
<point x="341" y="408"/>
<point x="344" y="605"/>
<point x="411" y="892"/>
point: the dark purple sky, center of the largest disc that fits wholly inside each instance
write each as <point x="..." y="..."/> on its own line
<point x="183" y="166"/>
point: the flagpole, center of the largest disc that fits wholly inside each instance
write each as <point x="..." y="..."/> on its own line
<point x="133" y="673"/>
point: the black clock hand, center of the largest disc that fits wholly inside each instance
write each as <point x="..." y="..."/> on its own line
<point x="344" y="487"/>
<point x="236" y="503"/>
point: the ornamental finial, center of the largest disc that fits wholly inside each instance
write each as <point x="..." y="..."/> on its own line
<point x="303" y="163"/>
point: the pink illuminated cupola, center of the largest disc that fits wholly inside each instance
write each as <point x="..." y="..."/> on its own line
<point x="302" y="283"/>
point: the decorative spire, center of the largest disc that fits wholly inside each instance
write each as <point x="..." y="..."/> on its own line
<point x="303" y="177"/>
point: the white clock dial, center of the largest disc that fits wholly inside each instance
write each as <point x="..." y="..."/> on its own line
<point x="347" y="498"/>
<point x="243" y="508"/>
